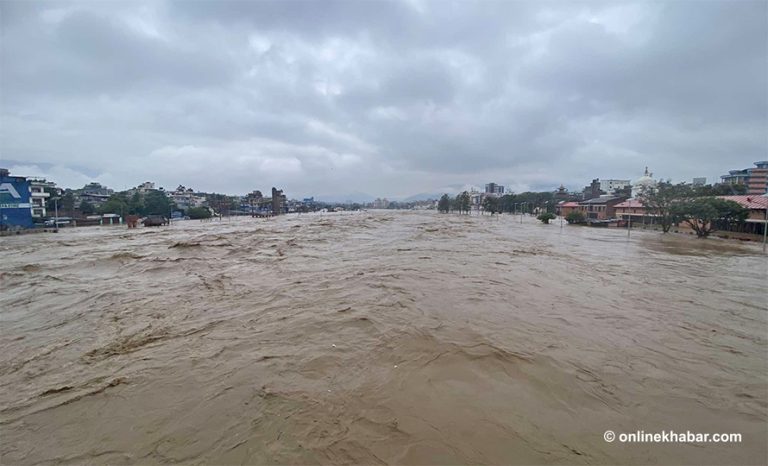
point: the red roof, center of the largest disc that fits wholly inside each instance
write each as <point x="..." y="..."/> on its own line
<point x="749" y="201"/>
<point x="569" y="204"/>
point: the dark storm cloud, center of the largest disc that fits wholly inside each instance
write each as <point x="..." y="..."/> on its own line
<point x="386" y="97"/>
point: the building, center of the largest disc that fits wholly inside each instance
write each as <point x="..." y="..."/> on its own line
<point x="611" y="186"/>
<point x="600" y="208"/>
<point x="15" y="202"/>
<point x="476" y="199"/>
<point x="592" y="190"/>
<point x="561" y="194"/>
<point x="699" y="181"/>
<point x="757" y="206"/>
<point x="563" y="208"/>
<point x="278" y="201"/>
<point x="634" y="211"/>
<point x="39" y="196"/>
<point x="380" y="203"/>
<point x="143" y="188"/>
<point x="495" y="189"/>
<point x="185" y="198"/>
<point x="644" y="182"/>
<point x="756" y="179"/>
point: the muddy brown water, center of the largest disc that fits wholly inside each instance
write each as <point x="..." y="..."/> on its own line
<point x="379" y="337"/>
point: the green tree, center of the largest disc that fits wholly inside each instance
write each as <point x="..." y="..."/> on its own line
<point x="660" y="201"/>
<point x="507" y="203"/>
<point x="115" y="205"/>
<point x="575" y="216"/>
<point x="136" y="204"/>
<point x="156" y="203"/>
<point x="546" y="217"/>
<point x="464" y="202"/>
<point x="707" y="214"/>
<point x="67" y="203"/>
<point x="86" y="208"/>
<point x="198" y="213"/>
<point x="721" y="189"/>
<point x="444" y="205"/>
<point x="491" y="204"/>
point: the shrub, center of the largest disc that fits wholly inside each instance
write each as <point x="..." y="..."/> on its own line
<point x="198" y="213"/>
<point x="576" y="216"/>
<point x="546" y="217"/>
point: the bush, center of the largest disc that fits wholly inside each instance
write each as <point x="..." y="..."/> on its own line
<point x="546" y="217"/>
<point x="576" y="216"/>
<point x="198" y="213"/>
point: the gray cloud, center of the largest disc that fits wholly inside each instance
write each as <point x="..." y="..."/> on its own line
<point x="390" y="98"/>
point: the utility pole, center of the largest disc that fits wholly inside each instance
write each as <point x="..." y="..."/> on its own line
<point x="765" y="224"/>
<point x="56" y="214"/>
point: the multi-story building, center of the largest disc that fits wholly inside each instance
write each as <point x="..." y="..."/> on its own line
<point x="15" y="204"/>
<point x="495" y="189"/>
<point x="39" y="196"/>
<point x="592" y="190"/>
<point x="601" y="208"/>
<point x="700" y="181"/>
<point x="185" y="198"/>
<point x="756" y="178"/>
<point x="611" y="186"/>
<point x="94" y="193"/>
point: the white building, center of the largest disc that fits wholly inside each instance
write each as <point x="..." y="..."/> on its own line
<point x="609" y="186"/>
<point x="38" y="196"/>
<point x="644" y="182"/>
<point x="185" y="198"/>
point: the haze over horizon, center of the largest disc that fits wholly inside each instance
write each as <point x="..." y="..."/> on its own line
<point x="385" y="98"/>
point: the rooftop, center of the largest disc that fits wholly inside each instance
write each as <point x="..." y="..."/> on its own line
<point x="749" y="201"/>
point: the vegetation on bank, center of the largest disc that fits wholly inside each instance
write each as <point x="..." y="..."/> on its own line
<point x="546" y="217"/>
<point x="671" y="204"/>
<point x="197" y="213"/>
<point x="576" y="217"/>
<point x="667" y="203"/>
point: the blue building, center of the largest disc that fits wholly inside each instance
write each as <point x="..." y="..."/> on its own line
<point x="15" y="206"/>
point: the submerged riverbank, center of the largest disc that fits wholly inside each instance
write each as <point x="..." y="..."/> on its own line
<point x="379" y="337"/>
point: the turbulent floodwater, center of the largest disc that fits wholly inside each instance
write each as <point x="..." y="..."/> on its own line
<point x="379" y="337"/>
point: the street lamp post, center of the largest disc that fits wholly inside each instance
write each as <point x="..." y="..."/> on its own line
<point x="765" y="223"/>
<point x="56" y="214"/>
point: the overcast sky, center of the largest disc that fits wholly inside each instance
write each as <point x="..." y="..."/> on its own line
<point x="386" y="98"/>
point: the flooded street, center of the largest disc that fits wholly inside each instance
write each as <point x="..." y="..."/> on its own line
<point x="379" y="337"/>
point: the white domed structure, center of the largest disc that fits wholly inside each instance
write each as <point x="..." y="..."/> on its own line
<point x="645" y="181"/>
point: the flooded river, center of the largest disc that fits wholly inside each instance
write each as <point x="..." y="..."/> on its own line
<point x="379" y="337"/>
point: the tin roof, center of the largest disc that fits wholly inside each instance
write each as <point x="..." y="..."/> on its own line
<point x="749" y="201"/>
<point x="600" y="200"/>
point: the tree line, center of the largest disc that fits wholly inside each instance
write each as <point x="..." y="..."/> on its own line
<point x="673" y="204"/>
<point x="667" y="203"/>
<point x="527" y="202"/>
